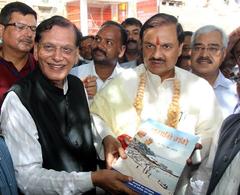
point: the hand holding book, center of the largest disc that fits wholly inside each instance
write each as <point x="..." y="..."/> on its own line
<point x="112" y="150"/>
<point x="157" y="155"/>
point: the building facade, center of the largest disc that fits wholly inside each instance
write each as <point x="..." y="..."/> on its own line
<point x="88" y="15"/>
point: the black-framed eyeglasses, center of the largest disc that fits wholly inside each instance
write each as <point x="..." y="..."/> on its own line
<point x="20" y="26"/>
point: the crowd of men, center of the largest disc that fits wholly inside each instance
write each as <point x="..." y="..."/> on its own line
<point x="66" y="100"/>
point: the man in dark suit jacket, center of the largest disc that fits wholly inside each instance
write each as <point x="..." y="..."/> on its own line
<point x="225" y="176"/>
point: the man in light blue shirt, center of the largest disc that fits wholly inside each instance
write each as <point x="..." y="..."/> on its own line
<point x="209" y="45"/>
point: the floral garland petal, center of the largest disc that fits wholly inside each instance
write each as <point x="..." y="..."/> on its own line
<point x="174" y="108"/>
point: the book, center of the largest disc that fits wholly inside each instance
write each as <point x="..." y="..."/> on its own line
<point x="156" y="157"/>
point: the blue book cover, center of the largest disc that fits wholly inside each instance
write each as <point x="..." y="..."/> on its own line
<point x="157" y="156"/>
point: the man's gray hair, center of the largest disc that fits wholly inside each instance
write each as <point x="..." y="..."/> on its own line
<point x="207" y="29"/>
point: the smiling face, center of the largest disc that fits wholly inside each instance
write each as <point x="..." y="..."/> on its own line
<point x="56" y="53"/>
<point x="16" y="39"/>
<point x="161" y="50"/>
<point x="207" y="54"/>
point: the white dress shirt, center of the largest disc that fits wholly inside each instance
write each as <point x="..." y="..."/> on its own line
<point x="129" y="64"/>
<point x="21" y="136"/>
<point x="226" y="93"/>
<point x="89" y="70"/>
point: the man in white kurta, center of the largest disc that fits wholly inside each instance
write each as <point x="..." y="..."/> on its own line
<point x="200" y="114"/>
<point x="113" y="107"/>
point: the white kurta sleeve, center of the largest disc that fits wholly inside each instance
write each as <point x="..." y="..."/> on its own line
<point x="100" y="131"/>
<point x="22" y="140"/>
<point x="102" y="128"/>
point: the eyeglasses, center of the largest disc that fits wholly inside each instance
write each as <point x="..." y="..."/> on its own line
<point x="211" y="50"/>
<point x="21" y="26"/>
<point x="50" y="48"/>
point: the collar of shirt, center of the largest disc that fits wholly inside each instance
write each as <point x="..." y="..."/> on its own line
<point x="155" y="80"/>
<point x="118" y="69"/>
<point x="65" y="86"/>
<point x="28" y="67"/>
<point x="129" y="64"/>
<point x="222" y="81"/>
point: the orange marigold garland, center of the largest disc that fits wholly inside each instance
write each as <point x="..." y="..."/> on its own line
<point x="174" y="108"/>
<point x="138" y="103"/>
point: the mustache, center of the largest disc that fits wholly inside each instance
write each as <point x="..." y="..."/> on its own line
<point x="27" y="40"/>
<point x="99" y="50"/>
<point x="131" y="41"/>
<point x="157" y="59"/>
<point x="204" y="59"/>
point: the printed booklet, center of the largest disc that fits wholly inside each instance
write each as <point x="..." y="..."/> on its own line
<point x="157" y="156"/>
